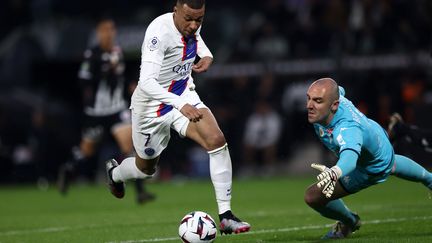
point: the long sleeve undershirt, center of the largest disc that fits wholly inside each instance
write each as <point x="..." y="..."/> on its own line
<point x="151" y="88"/>
<point x="347" y="161"/>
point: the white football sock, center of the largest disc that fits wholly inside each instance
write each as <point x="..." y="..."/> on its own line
<point x="221" y="176"/>
<point x="128" y="170"/>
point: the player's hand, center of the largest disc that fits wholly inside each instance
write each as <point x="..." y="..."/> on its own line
<point x="202" y="65"/>
<point x="191" y="112"/>
<point x="327" y="178"/>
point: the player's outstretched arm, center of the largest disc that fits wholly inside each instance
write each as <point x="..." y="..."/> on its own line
<point x="327" y="178"/>
<point x="202" y="65"/>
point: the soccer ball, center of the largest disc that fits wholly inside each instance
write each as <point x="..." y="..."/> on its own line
<point x="197" y="227"/>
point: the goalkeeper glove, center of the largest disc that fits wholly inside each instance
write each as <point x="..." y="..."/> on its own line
<point x="327" y="178"/>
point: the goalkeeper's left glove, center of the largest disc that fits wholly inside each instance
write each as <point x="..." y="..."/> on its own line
<point x="327" y="178"/>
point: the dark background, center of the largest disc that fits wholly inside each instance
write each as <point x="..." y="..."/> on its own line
<point x="379" y="51"/>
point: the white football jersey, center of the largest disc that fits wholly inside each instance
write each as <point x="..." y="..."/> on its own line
<point x="166" y="66"/>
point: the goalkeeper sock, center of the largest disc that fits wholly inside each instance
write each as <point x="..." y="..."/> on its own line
<point x="408" y="169"/>
<point x="128" y="170"/>
<point x="221" y="176"/>
<point x="337" y="210"/>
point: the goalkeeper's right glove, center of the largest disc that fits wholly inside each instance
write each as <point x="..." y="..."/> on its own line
<point x="327" y="178"/>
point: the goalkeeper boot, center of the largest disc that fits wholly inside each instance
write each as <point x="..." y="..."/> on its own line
<point x="116" y="188"/>
<point x="395" y="127"/>
<point x="341" y="230"/>
<point x="230" y="223"/>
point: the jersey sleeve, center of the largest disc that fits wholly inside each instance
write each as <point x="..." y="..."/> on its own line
<point x="153" y="52"/>
<point x="349" y="137"/>
<point x="87" y="76"/>
<point x="151" y="88"/>
<point x="86" y="69"/>
<point x="154" y="45"/>
<point x="350" y="140"/>
<point x="347" y="161"/>
<point x="202" y="49"/>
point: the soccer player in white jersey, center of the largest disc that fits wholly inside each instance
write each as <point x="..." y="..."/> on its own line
<point x="165" y="98"/>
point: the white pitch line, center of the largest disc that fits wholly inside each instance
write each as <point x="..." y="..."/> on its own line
<point x="266" y="231"/>
<point x="44" y="230"/>
<point x="263" y="231"/>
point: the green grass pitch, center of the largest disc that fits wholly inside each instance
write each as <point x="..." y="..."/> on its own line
<point x="395" y="211"/>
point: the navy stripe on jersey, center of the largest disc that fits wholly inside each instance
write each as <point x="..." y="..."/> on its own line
<point x="189" y="47"/>
<point x="176" y="87"/>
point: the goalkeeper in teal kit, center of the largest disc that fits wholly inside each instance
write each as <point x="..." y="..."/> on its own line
<point x="365" y="156"/>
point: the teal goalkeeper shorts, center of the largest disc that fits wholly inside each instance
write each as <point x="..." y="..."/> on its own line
<point x="359" y="179"/>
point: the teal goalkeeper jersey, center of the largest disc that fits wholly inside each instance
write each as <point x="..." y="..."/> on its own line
<point x="352" y="130"/>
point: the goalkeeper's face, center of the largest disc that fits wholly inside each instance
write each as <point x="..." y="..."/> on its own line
<point x="320" y="105"/>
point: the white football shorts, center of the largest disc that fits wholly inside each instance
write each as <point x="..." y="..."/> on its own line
<point x="151" y="135"/>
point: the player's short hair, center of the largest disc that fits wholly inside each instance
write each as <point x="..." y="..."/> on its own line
<point x="195" y="4"/>
<point x="104" y="18"/>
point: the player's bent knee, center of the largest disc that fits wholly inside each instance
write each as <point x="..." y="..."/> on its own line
<point x="215" y="141"/>
<point x="308" y="198"/>
<point x="313" y="197"/>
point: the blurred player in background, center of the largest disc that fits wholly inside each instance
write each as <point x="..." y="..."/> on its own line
<point x="398" y="130"/>
<point x="165" y="98"/>
<point x="104" y="92"/>
<point x="365" y="156"/>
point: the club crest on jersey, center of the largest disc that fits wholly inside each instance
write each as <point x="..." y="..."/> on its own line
<point x="321" y="132"/>
<point x="149" y="151"/>
<point x="153" y="44"/>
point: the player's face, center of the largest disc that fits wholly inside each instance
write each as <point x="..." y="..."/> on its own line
<point x="320" y="106"/>
<point x="106" y="32"/>
<point x="188" y="20"/>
